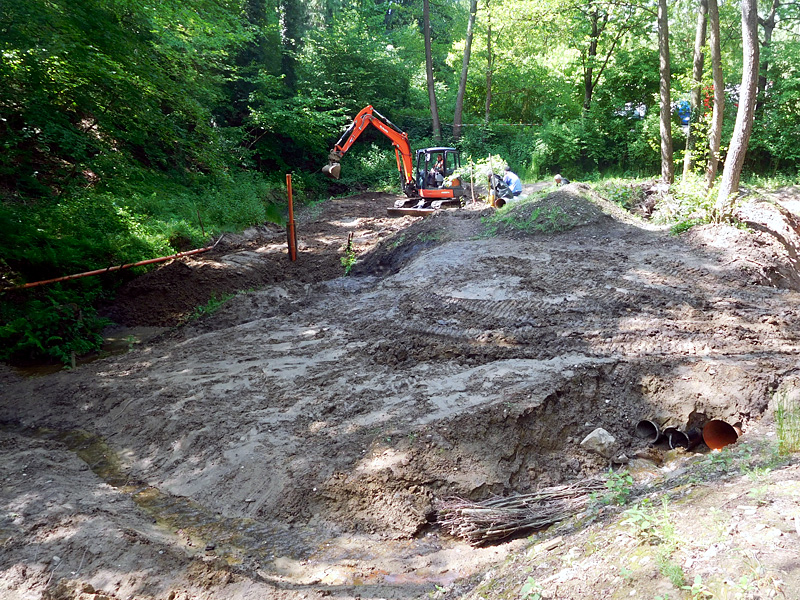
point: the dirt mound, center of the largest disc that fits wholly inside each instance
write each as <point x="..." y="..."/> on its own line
<point x="568" y="207"/>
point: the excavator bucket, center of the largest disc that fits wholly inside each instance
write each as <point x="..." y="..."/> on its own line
<point x="332" y="170"/>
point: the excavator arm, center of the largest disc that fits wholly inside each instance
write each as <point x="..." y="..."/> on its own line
<point x="369" y="116"/>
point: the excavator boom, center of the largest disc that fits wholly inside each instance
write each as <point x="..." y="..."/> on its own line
<point x="369" y="116"/>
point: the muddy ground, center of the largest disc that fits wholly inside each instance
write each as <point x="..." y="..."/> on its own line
<point x="299" y="442"/>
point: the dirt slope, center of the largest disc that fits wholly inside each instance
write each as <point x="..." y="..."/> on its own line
<point x="297" y="442"/>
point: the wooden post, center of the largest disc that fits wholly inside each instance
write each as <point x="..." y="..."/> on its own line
<point x="291" y="235"/>
<point x="472" y="180"/>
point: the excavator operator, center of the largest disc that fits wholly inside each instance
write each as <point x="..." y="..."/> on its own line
<point x="436" y="174"/>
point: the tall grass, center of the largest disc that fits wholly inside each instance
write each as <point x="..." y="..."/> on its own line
<point x="787" y="419"/>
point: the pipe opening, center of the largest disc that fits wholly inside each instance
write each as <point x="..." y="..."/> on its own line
<point x="718" y="434"/>
<point x="648" y="430"/>
<point x="676" y="437"/>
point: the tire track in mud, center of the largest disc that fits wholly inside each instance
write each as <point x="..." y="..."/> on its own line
<point x="636" y="321"/>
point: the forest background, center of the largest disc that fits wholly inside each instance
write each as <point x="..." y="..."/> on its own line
<point x="137" y="129"/>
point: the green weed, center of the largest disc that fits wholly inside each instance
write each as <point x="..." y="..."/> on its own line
<point x="398" y="241"/>
<point x="771" y="181"/>
<point x="430" y="236"/>
<point x="698" y="590"/>
<point x="59" y="324"/>
<point x="130" y="341"/>
<point x="687" y="204"/>
<point x="684" y="226"/>
<point x="620" y="488"/>
<point x="349" y="258"/>
<point x="787" y="419"/>
<point x="624" y="193"/>
<point x="531" y="590"/>
<point x="671" y="570"/>
<point x="210" y="307"/>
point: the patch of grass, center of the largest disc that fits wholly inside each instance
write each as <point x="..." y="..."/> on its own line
<point x="430" y="236"/>
<point x="654" y="526"/>
<point x="398" y="241"/>
<point x="684" y="226"/>
<point x="671" y="570"/>
<point x="770" y="181"/>
<point x="687" y="203"/>
<point x="530" y="217"/>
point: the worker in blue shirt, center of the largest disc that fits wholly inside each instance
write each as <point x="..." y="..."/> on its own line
<point x="513" y="181"/>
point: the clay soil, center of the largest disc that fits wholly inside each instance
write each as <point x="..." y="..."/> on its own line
<point x="300" y="441"/>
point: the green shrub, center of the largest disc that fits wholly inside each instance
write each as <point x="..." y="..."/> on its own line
<point x="59" y="324"/>
<point x="689" y="203"/>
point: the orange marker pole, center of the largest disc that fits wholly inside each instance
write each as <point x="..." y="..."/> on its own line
<point x="290" y="232"/>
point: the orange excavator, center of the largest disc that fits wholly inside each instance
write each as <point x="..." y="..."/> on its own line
<point x="428" y="181"/>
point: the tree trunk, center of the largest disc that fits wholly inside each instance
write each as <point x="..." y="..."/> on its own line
<point x="293" y="17"/>
<point x="462" y="83"/>
<point x="489" y="63"/>
<point x="667" y="167"/>
<point x="715" y="131"/>
<point x="744" y="116"/>
<point x="426" y="19"/>
<point x="697" y="77"/>
<point x="591" y="56"/>
<point x="768" y="24"/>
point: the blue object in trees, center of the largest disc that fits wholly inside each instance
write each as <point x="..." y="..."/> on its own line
<point x="684" y="111"/>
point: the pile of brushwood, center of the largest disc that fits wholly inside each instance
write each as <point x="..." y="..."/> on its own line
<point x="496" y="519"/>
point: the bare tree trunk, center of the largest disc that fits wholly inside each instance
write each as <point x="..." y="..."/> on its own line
<point x="462" y="83"/>
<point x="747" y="104"/>
<point x="426" y="22"/>
<point x="768" y="23"/>
<point x="697" y="76"/>
<point x="489" y="62"/>
<point x="667" y="168"/>
<point x="591" y="56"/>
<point x="715" y="132"/>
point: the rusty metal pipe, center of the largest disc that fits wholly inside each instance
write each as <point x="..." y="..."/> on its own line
<point x="115" y="268"/>
<point x="717" y="434"/>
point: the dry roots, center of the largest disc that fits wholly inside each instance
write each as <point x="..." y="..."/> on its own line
<point x="499" y="518"/>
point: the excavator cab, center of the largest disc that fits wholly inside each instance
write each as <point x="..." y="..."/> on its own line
<point x="435" y="167"/>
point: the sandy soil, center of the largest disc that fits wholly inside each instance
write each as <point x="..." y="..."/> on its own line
<point x="298" y="442"/>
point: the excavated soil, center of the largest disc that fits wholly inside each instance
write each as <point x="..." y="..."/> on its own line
<point x="298" y="442"/>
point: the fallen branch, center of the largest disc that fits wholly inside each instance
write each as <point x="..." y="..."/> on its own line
<point x="499" y="518"/>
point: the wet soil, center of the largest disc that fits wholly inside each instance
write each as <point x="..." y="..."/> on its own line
<point x="298" y="441"/>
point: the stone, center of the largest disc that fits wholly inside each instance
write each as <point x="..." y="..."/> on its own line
<point x="600" y="442"/>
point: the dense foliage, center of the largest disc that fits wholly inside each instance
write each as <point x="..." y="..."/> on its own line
<point x="131" y="129"/>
